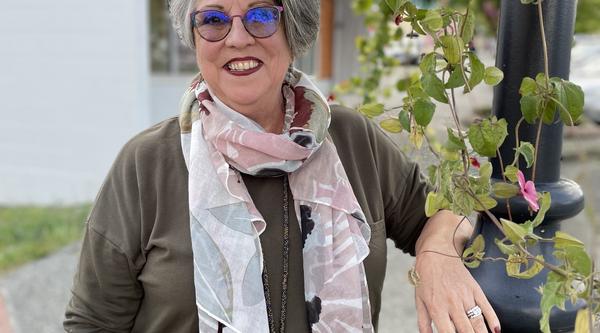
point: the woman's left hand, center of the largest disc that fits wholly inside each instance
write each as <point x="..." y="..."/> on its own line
<point x="445" y="290"/>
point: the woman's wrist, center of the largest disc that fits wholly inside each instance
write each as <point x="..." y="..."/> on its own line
<point x="444" y="232"/>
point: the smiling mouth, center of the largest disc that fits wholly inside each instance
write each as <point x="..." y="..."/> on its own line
<point x="241" y="67"/>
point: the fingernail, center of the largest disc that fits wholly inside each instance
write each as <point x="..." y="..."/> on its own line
<point x="497" y="330"/>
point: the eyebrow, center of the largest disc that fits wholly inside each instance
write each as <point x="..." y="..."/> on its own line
<point x="252" y="4"/>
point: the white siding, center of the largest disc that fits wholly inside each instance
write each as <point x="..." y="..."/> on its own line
<point x="74" y="79"/>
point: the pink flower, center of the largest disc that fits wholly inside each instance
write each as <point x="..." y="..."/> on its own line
<point x="528" y="191"/>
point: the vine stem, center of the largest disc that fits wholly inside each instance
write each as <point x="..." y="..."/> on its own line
<point x="547" y="74"/>
<point x="537" y="145"/>
<point x="544" y="43"/>
<point x="508" y="209"/>
<point x="452" y="105"/>
<point x="517" y="140"/>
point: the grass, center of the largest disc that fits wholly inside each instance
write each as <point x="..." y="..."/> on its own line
<point x="31" y="232"/>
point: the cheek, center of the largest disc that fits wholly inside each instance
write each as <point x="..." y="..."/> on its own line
<point x="206" y="59"/>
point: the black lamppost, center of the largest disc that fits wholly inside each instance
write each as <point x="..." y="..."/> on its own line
<point x="520" y="54"/>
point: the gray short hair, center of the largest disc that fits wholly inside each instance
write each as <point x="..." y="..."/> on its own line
<point x="300" y="19"/>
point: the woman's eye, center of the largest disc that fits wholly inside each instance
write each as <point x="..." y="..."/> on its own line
<point x="213" y="20"/>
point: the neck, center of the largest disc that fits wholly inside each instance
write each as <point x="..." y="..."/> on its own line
<point x="268" y="112"/>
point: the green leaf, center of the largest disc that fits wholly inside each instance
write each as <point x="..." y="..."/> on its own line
<point x="493" y="76"/>
<point x="571" y="97"/>
<point x="423" y="111"/>
<point x="551" y="297"/>
<point x="477" y="70"/>
<point x="510" y="172"/>
<point x="473" y="255"/>
<point x="485" y="170"/>
<point x="462" y="202"/>
<point x="487" y="136"/>
<point x="428" y="62"/>
<point x="453" y="49"/>
<point x="549" y="112"/>
<point x="456" y="79"/>
<point x="434" y="87"/>
<point x="432" y="203"/>
<point x="403" y="84"/>
<point x="579" y="260"/>
<point x="528" y="86"/>
<point x="467" y="26"/>
<point x="484" y="202"/>
<point x="515" y="264"/>
<point x="415" y="91"/>
<point x="433" y="21"/>
<point x="417" y="28"/>
<point x="541" y="80"/>
<point x="454" y="143"/>
<point x="544" y="200"/>
<point x="505" y="248"/>
<point x="395" y="5"/>
<point x="505" y="190"/>
<point x="404" y="118"/>
<point x="527" y="150"/>
<point x="432" y="173"/>
<point x="371" y="110"/>
<point x="582" y="323"/>
<point x="530" y="106"/>
<point x="391" y="125"/>
<point x="563" y="240"/>
<point x="514" y="232"/>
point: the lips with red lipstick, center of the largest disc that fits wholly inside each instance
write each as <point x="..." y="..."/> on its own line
<point x="243" y="66"/>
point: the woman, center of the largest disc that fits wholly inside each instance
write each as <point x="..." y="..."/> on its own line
<point x="259" y="209"/>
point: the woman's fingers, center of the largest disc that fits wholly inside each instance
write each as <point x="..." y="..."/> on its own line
<point x="477" y="323"/>
<point x="442" y="322"/>
<point x="423" y="319"/>
<point x="460" y="320"/>
<point x="488" y="312"/>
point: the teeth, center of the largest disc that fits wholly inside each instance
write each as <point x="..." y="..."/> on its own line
<point x="242" y="65"/>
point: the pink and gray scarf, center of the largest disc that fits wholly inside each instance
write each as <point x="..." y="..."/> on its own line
<point x="219" y="143"/>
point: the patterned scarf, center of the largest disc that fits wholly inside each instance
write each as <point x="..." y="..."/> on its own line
<point x="219" y="143"/>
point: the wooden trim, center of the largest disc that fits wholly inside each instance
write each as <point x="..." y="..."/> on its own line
<point x="326" y="39"/>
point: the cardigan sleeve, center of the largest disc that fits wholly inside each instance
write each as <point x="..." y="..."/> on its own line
<point x="106" y="293"/>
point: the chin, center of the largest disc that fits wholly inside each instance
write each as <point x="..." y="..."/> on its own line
<point x="243" y="95"/>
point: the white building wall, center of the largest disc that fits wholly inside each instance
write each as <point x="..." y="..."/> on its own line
<point x="74" y="86"/>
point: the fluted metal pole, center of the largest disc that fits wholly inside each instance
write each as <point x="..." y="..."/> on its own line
<point x="520" y="54"/>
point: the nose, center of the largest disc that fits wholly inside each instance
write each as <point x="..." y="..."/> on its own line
<point x="238" y="37"/>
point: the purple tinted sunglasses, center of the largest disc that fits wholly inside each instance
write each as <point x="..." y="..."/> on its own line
<point x="214" y="25"/>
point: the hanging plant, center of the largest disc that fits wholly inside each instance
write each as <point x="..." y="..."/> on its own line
<point x="461" y="175"/>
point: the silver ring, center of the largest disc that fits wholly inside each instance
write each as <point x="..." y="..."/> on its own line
<point x="474" y="312"/>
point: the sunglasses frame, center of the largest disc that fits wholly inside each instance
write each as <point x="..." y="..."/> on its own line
<point x="195" y="13"/>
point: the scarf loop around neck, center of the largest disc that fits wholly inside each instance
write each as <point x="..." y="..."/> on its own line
<point x="225" y="225"/>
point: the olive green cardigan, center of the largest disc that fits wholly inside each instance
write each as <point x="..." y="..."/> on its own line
<point x="135" y="273"/>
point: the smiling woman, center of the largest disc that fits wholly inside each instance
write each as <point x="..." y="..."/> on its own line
<point x="261" y="208"/>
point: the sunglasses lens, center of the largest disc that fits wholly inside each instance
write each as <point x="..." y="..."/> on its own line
<point x="212" y="25"/>
<point x="262" y="22"/>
